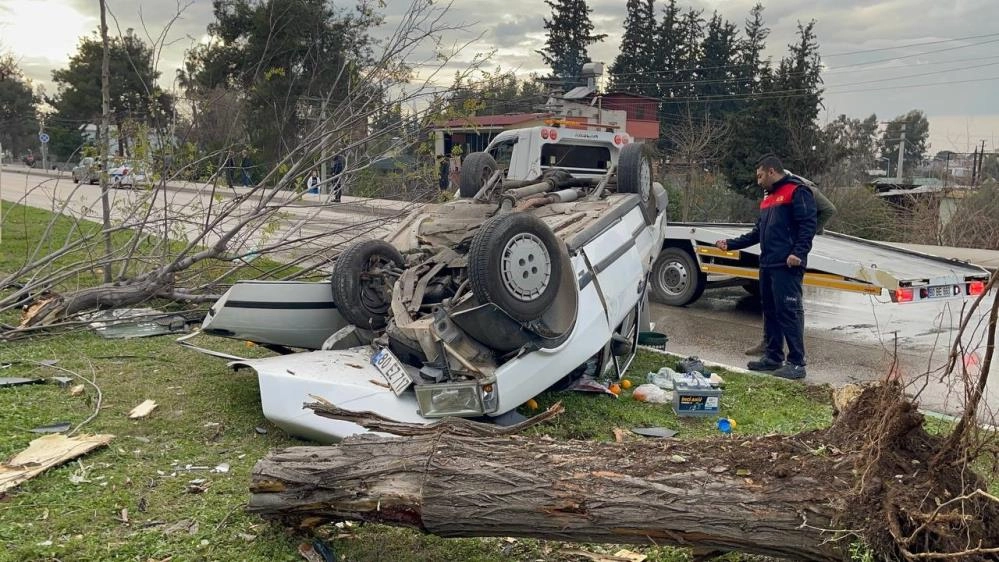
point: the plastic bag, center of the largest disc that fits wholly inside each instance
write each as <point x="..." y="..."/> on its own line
<point x="693" y="365"/>
<point x="662" y="378"/>
<point x="652" y="394"/>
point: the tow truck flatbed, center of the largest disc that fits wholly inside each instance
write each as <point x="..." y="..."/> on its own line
<point x="837" y="261"/>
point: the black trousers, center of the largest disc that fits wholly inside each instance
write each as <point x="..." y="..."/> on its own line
<point x="783" y="313"/>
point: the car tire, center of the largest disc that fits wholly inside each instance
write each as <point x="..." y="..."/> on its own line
<point x="753" y="288"/>
<point x="364" y="303"/>
<point x="476" y="170"/>
<point x="634" y="175"/>
<point x="515" y="262"/>
<point x="676" y="279"/>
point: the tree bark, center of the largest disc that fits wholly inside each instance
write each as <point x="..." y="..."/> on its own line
<point x="753" y="495"/>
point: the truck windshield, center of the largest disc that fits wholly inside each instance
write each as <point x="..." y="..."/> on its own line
<point x="579" y="158"/>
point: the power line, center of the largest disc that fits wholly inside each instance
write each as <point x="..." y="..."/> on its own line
<point x="847" y="53"/>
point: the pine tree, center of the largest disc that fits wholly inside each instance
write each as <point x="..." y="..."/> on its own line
<point x="667" y="57"/>
<point x="634" y="67"/>
<point x="570" y="32"/>
<point x="716" y="78"/>
<point x="751" y="65"/>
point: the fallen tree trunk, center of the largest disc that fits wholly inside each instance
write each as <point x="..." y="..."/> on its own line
<point x="687" y="494"/>
<point x="804" y="497"/>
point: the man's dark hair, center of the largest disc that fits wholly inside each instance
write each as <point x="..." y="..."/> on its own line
<point x="770" y="162"/>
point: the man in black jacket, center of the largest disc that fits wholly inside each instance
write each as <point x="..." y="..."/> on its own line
<point x="784" y="232"/>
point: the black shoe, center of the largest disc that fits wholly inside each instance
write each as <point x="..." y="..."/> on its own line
<point x="790" y="371"/>
<point x="764" y="364"/>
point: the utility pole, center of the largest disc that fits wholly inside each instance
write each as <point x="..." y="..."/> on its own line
<point x="105" y="126"/>
<point x="981" y="160"/>
<point x="901" y="154"/>
<point x="974" y="167"/>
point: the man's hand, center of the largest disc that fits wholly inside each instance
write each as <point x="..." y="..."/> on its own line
<point x="793" y="261"/>
<point x="722" y="245"/>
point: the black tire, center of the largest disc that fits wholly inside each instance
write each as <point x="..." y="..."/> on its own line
<point x="676" y="280"/>
<point x="634" y="175"/>
<point x="476" y="170"/>
<point x="498" y="276"/>
<point x="753" y="288"/>
<point x="364" y="303"/>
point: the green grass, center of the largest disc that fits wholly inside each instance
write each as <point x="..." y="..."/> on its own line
<point x="207" y="415"/>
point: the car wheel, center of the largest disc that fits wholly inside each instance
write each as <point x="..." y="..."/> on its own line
<point x="676" y="278"/>
<point x="514" y="262"/>
<point x="634" y="175"/>
<point x="362" y="296"/>
<point x="753" y="288"/>
<point x="476" y="170"/>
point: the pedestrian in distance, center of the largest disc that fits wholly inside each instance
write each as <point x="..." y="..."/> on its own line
<point x="312" y="183"/>
<point x="454" y="170"/>
<point x="784" y="231"/>
<point x="245" y="166"/>
<point x="337" y="166"/>
<point x="229" y="169"/>
<point x="825" y="209"/>
<point x="442" y="173"/>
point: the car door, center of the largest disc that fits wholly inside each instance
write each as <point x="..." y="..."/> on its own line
<point x="617" y="262"/>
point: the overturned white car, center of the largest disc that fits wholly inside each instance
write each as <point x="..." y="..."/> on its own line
<point x="470" y="308"/>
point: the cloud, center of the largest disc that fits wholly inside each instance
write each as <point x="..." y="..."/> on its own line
<point x="851" y="34"/>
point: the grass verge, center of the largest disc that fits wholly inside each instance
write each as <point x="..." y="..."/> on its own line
<point x="208" y="416"/>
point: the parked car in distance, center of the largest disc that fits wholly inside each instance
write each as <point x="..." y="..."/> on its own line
<point x="87" y="171"/>
<point x="128" y="175"/>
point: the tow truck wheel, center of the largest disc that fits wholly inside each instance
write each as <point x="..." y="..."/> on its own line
<point x="476" y="170"/>
<point x="676" y="279"/>
<point x="634" y="175"/>
<point x="361" y="295"/>
<point x="514" y="262"/>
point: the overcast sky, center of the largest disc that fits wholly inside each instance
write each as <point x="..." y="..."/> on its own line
<point x="882" y="56"/>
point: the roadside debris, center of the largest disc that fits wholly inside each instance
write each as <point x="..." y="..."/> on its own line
<point x="142" y="410"/>
<point x="52" y="428"/>
<point x="77" y="390"/>
<point x="317" y="551"/>
<point x="652" y="394"/>
<point x="46" y="452"/>
<point x="654" y="431"/>
<point x="725" y="425"/>
<point x="18" y="381"/>
<point x="125" y="323"/>
<point x="622" y="555"/>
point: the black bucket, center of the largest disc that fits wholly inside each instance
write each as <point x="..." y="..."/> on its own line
<point x="654" y="340"/>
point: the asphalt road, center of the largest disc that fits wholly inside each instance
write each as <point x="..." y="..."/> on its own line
<point x="305" y="218"/>
<point x="848" y="337"/>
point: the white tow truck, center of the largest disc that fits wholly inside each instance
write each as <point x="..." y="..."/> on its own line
<point x="689" y="263"/>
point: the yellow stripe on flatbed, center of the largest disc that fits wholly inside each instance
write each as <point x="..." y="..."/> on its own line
<point x="823" y="280"/>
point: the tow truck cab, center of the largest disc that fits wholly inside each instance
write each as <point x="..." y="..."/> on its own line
<point x="527" y="153"/>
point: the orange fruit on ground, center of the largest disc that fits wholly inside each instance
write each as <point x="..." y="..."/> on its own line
<point x="532" y="404"/>
<point x="615" y="388"/>
<point x="626" y="384"/>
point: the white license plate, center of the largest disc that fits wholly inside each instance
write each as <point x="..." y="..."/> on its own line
<point x="393" y="371"/>
<point x="940" y="292"/>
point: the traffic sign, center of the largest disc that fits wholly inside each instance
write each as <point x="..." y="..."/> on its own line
<point x="44" y="137"/>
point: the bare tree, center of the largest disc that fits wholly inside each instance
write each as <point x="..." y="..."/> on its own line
<point x="696" y="143"/>
<point x="185" y="245"/>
